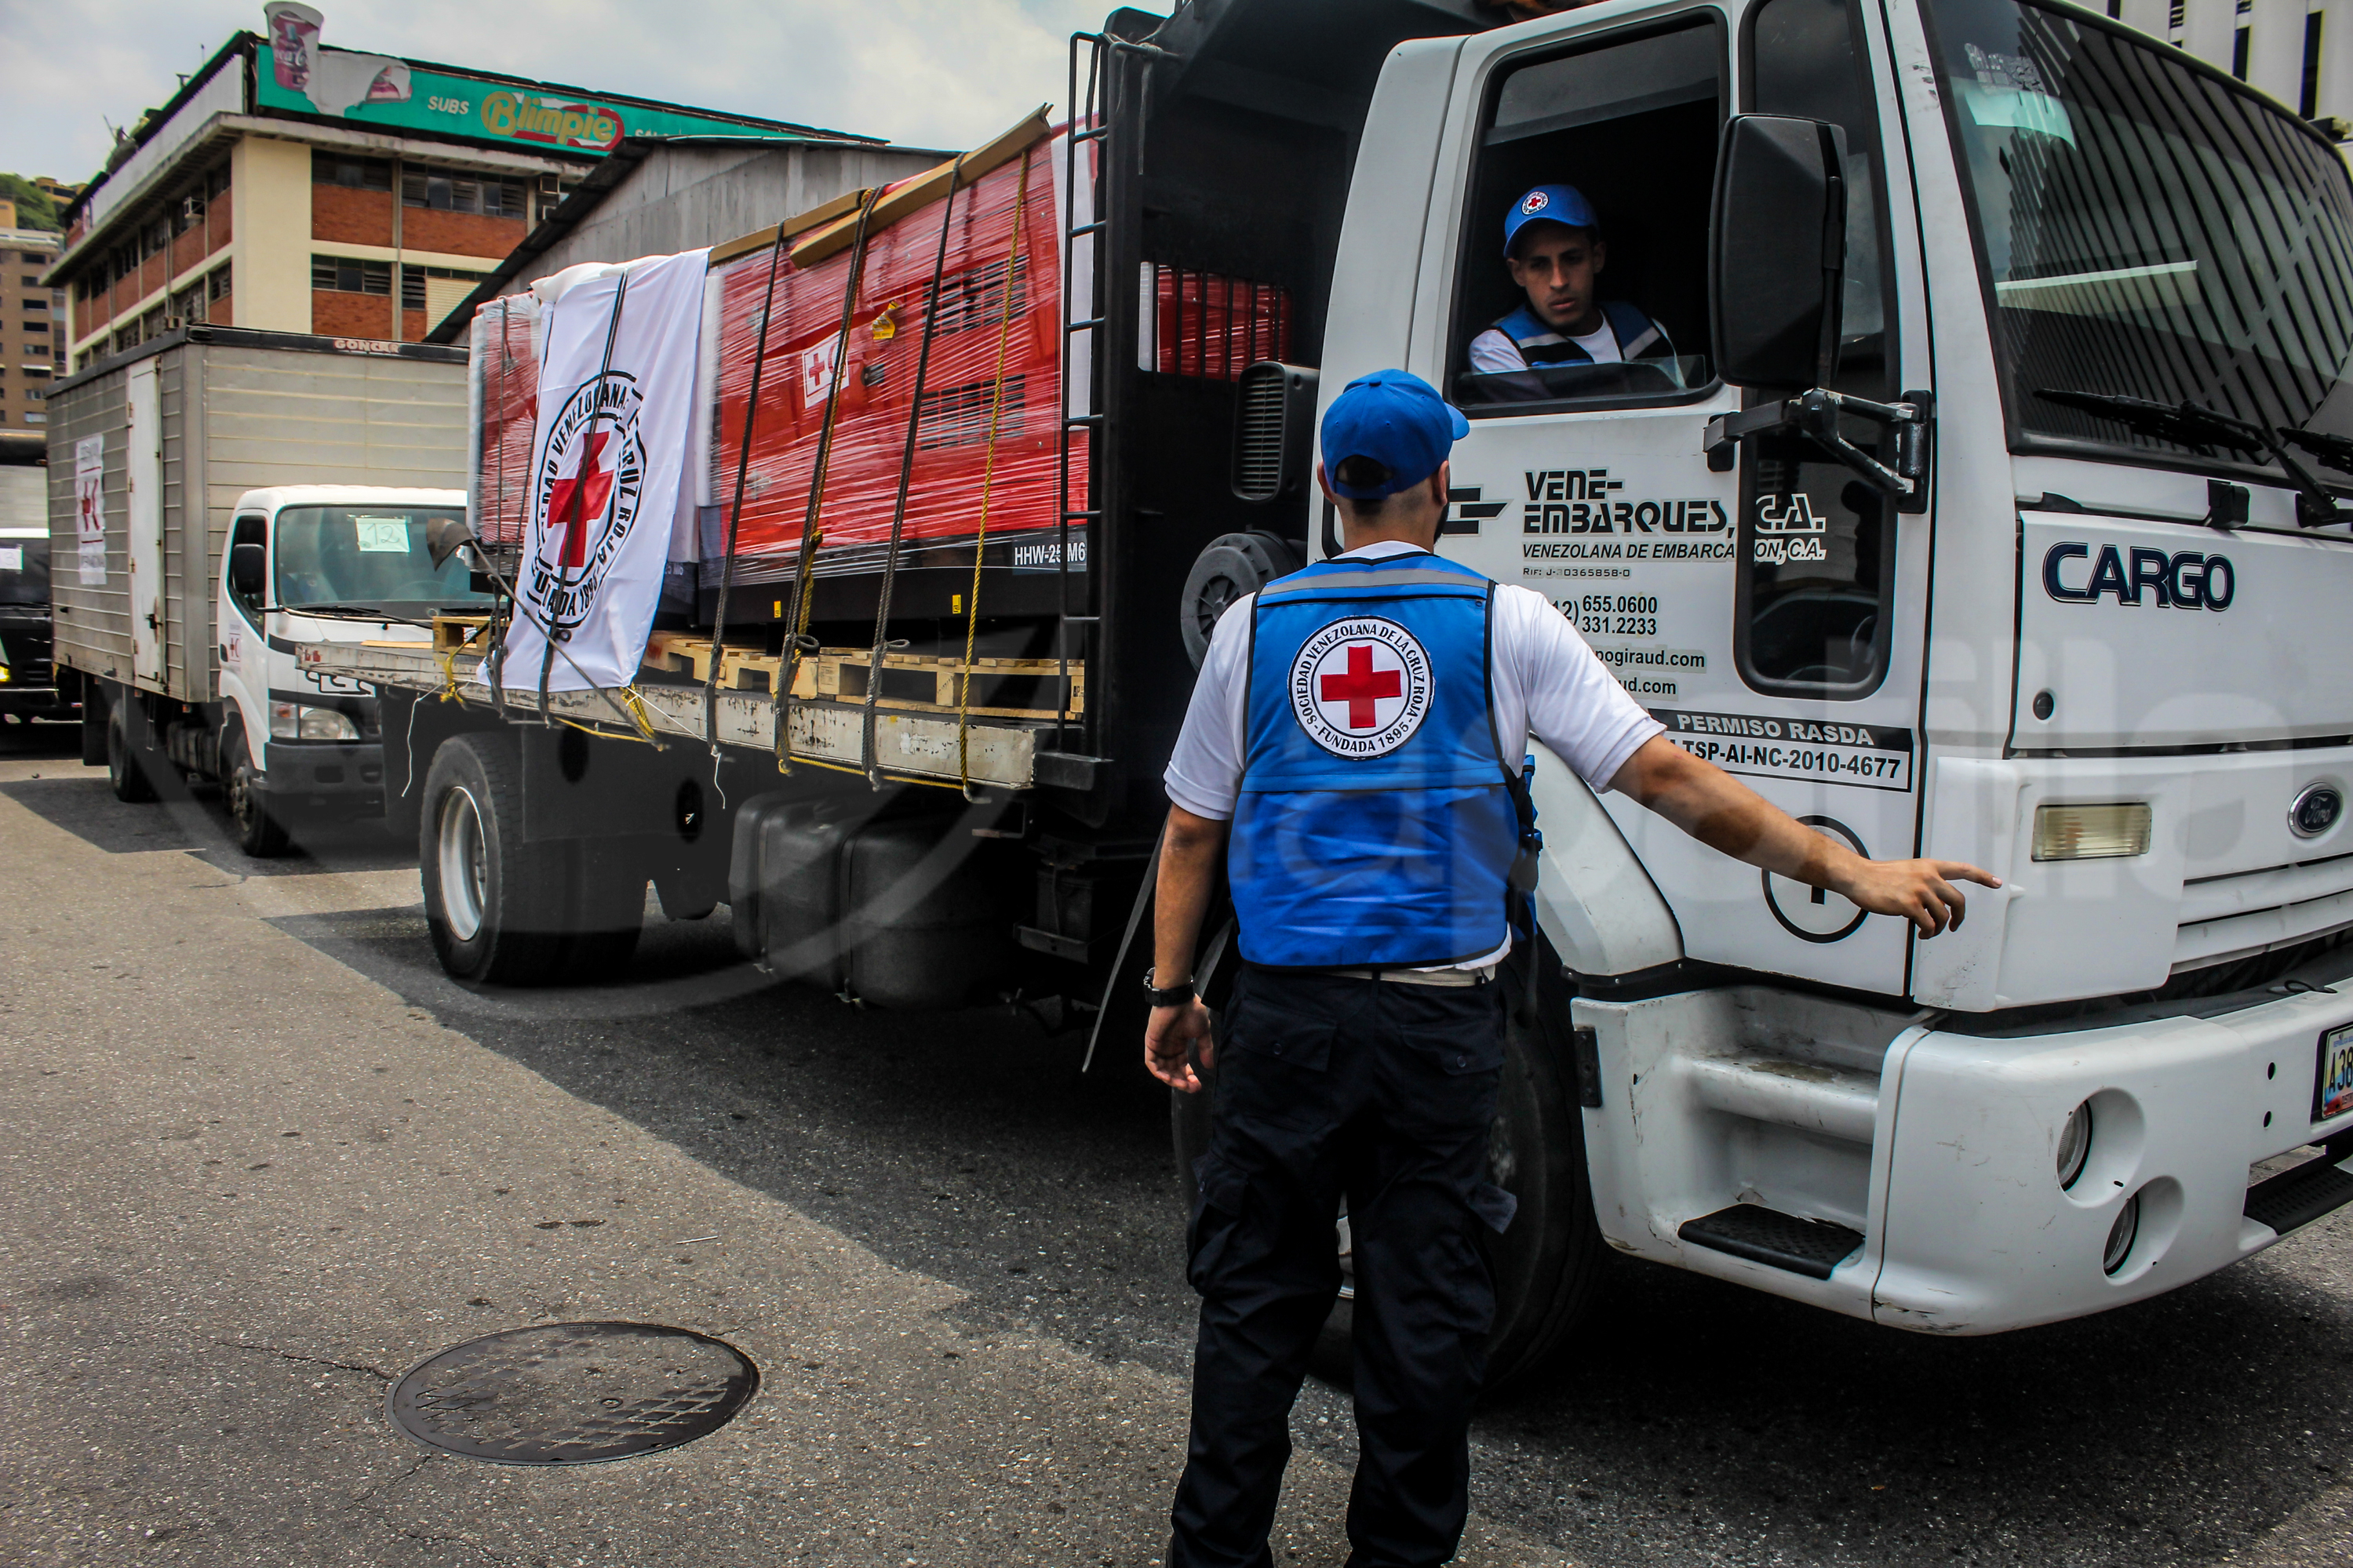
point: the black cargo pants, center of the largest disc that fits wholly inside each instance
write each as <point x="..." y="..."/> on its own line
<point x="1383" y="1091"/>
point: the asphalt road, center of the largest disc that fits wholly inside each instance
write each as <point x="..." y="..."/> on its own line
<point x="940" y="1205"/>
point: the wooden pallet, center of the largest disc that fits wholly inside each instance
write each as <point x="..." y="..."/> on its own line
<point x="456" y="634"/>
<point x="840" y="674"/>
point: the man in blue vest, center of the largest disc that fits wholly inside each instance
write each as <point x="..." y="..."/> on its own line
<point x="1352" y="750"/>
<point x="1553" y="244"/>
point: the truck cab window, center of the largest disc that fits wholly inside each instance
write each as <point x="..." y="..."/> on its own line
<point x="1818" y="545"/>
<point x="1583" y="271"/>
<point x="247" y="531"/>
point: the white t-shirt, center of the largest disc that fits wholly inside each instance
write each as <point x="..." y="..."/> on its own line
<point x="1491" y="352"/>
<point x="1543" y="681"/>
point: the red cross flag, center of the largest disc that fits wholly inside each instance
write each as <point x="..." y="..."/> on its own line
<point x="610" y="470"/>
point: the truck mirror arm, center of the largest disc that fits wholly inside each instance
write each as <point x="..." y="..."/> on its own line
<point x="1815" y="415"/>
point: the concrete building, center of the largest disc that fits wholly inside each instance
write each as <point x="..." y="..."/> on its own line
<point x="32" y="322"/>
<point x="294" y="186"/>
<point x="659" y="194"/>
<point x="2299" y="51"/>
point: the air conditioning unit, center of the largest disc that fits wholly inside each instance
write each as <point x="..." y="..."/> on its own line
<point x="547" y="186"/>
<point x="173" y="323"/>
<point x="192" y="208"/>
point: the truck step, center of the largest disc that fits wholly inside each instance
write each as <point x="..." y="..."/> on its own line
<point x="1811" y="1248"/>
<point x="2295" y="1197"/>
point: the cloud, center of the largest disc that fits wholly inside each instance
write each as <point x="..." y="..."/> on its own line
<point x="936" y="73"/>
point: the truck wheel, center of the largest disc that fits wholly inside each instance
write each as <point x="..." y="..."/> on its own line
<point x="492" y="902"/>
<point x="1549" y="1264"/>
<point x="124" y="772"/>
<point x="258" y="833"/>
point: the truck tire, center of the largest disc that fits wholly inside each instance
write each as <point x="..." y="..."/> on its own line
<point x="1551" y="1261"/>
<point x="258" y="833"/>
<point x="493" y="903"/>
<point x="126" y="771"/>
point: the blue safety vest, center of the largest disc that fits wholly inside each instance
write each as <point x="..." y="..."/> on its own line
<point x="1540" y="343"/>
<point x="1378" y="825"/>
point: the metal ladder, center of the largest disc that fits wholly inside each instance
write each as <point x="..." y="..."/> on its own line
<point x="1089" y="124"/>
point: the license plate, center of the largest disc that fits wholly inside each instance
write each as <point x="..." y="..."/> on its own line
<point x="2332" y="1089"/>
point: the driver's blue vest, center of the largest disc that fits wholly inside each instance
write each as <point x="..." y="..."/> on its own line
<point x="1376" y="825"/>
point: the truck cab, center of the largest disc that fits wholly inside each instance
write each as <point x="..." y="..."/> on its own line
<point x="1992" y="510"/>
<point x="320" y="564"/>
<point x="28" y="683"/>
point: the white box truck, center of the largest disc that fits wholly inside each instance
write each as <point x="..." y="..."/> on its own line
<point x="1990" y="505"/>
<point x="216" y="495"/>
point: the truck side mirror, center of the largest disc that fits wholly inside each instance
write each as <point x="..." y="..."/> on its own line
<point x="1777" y="250"/>
<point x="444" y="537"/>
<point x="249" y="570"/>
<point x="1274" y="420"/>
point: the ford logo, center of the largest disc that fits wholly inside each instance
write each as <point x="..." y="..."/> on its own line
<point x="2318" y="806"/>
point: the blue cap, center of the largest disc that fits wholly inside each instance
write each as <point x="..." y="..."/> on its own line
<point x="1399" y="421"/>
<point x="1549" y="203"/>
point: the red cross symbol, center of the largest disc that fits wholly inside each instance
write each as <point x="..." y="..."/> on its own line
<point x="578" y="499"/>
<point x="1362" y="685"/>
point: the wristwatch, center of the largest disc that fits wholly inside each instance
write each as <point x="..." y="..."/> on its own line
<point x="1167" y="995"/>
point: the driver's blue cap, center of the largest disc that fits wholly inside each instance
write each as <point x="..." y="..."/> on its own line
<point x="1549" y="203"/>
<point x="1399" y="421"/>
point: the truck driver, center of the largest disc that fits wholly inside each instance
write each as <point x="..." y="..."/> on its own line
<point x="1553" y="244"/>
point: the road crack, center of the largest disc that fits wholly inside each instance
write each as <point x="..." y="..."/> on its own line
<point x="373" y="1371"/>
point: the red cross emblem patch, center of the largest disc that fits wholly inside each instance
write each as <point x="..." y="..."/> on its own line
<point x="1360" y="687"/>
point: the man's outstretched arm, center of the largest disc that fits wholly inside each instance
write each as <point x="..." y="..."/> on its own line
<point x="1180" y="901"/>
<point x="1725" y="813"/>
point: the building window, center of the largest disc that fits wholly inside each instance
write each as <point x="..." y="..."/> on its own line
<point x="216" y="182"/>
<point x="338" y="169"/>
<point x="441" y="191"/>
<point x="2308" y="97"/>
<point x="220" y="283"/>
<point x="344" y="274"/>
<point x="37" y="303"/>
<point x="415" y="296"/>
<point x="156" y="237"/>
<point x="35" y="417"/>
<point x="38" y="350"/>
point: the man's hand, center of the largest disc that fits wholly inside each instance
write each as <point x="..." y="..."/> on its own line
<point x="1725" y="813"/>
<point x="1921" y="891"/>
<point x="1168" y="1042"/>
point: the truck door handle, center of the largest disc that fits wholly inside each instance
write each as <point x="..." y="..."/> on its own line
<point x="151" y="621"/>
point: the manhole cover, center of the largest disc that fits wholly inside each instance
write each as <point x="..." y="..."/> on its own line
<point x="574" y="1394"/>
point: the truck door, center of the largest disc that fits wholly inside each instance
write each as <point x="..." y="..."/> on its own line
<point x="1766" y="615"/>
<point x="143" y="509"/>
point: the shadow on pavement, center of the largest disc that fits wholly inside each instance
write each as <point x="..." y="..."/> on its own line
<point x="199" y="824"/>
<point x="1692" y="1422"/>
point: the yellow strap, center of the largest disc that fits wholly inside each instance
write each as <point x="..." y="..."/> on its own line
<point x="1013" y="267"/>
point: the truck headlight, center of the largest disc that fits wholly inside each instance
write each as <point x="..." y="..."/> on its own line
<point x="2092" y="832"/>
<point x="300" y="721"/>
<point x="4" y="675"/>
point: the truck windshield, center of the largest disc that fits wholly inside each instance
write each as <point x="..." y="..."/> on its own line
<point x="2149" y="230"/>
<point x="365" y="556"/>
<point x="24" y="566"/>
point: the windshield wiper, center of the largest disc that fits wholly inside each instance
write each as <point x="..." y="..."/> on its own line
<point x="2334" y="451"/>
<point x="2200" y="429"/>
<point x="348" y="613"/>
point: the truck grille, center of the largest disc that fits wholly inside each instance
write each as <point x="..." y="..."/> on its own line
<point x="1258" y="439"/>
<point x="2243" y="912"/>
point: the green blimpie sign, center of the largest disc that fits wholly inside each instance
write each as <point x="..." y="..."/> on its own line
<point x="379" y="91"/>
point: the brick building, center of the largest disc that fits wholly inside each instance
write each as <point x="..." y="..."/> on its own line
<point x="297" y="187"/>
<point x="32" y="322"/>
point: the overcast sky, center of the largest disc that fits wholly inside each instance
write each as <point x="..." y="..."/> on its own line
<point x="937" y="73"/>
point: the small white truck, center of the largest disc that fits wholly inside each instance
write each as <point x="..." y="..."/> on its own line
<point x="1991" y="506"/>
<point x="181" y="594"/>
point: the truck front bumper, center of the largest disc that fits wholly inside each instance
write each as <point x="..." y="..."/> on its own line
<point x="37" y="703"/>
<point x="345" y="775"/>
<point x="1936" y="1150"/>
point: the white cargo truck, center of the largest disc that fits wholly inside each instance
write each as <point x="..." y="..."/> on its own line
<point x="1989" y="507"/>
<point x="217" y="497"/>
